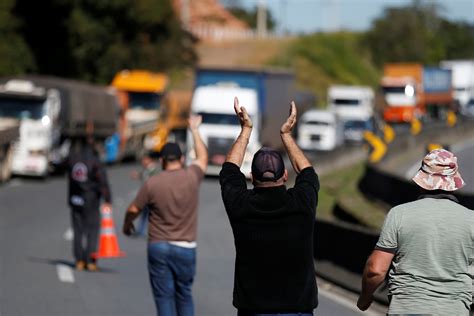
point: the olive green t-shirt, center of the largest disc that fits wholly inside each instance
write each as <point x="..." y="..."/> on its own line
<point x="433" y="243"/>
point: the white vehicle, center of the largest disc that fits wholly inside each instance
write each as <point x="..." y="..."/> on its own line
<point x="351" y="102"/>
<point x="462" y="80"/>
<point x="36" y="108"/>
<point x="355" y="107"/>
<point x="354" y="129"/>
<point x="320" y="130"/>
<point x="220" y="126"/>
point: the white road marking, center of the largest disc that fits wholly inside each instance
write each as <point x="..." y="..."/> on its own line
<point x="65" y="273"/>
<point x="68" y="234"/>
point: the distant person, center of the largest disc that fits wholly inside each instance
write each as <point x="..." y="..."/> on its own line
<point x="149" y="168"/>
<point x="426" y="246"/>
<point x="272" y="226"/>
<point x="88" y="185"/>
<point x="172" y="199"/>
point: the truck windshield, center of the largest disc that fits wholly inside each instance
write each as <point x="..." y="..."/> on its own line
<point x="220" y="119"/>
<point x="400" y="90"/>
<point x="359" y="125"/>
<point x="21" y="108"/>
<point x="144" y="100"/>
<point x="346" y="102"/>
<point x="317" y="123"/>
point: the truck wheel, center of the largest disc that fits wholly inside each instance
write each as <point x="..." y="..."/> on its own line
<point x="6" y="164"/>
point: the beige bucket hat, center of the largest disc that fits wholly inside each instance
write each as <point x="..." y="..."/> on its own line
<point x="439" y="171"/>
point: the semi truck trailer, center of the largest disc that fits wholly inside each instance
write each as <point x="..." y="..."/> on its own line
<point x="51" y="112"/>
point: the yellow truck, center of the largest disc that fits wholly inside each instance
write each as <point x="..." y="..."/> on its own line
<point x="149" y="114"/>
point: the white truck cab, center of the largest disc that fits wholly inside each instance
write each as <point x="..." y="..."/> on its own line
<point x="354" y="105"/>
<point x="220" y="126"/>
<point x="351" y="101"/>
<point x="320" y="130"/>
<point x="37" y="109"/>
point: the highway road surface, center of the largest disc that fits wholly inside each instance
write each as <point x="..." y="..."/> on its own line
<point x="36" y="275"/>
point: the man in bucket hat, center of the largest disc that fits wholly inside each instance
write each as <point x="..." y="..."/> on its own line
<point x="427" y="246"/>
<point x="272" y="226"/>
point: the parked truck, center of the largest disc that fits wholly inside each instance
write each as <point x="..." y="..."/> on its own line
<point x="9" y="132"/>
<point x="413" y="91"/>
<point x="462" y="80"/>
<point x="354" y="106"/>
<point x="51" y="112"/>
<point x="265" y="93"/>
<point x="141" y="95"/>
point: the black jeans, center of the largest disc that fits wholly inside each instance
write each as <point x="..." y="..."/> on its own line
<point x="85" y="223"/>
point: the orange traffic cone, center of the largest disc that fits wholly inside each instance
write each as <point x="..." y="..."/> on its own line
<point x="108" y="243"/>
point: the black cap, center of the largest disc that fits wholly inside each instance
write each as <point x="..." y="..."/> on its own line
<point x="171" y="151"/>
<point x="267" y="165"/>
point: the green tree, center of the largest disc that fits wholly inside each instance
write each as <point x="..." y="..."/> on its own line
<point x="93" y="40"/>
<point x="15" y="55"/>
<point x="406" y="34"/>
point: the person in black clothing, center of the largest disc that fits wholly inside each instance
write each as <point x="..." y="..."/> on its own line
<point x="87" y="186"/>
<point x="272" y="226"/>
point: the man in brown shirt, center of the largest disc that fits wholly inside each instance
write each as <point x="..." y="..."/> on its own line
<point x="172" y="198"/>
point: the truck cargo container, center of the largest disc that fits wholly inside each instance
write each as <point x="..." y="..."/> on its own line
<point x="266" y="94"/>
<point x="462" y="80"/>
<point x="415" y="91"/>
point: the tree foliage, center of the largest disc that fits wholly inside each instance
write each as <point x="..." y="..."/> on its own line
<point x="418" y="33"/>
<point x="93" y="40"/>
<point x="15" y="55"/>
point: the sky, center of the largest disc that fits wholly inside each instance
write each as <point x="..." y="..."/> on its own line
<point x="306" y="16"/>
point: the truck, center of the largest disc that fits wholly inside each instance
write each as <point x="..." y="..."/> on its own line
<point x="265" y="93"/>
<point x="462" y="80"/>
<point x="320" y="130"/>
<point x="414" y="91"/>
<point x="141" y="95"/>
<point x="51" y="112"/>
<point x="9" y="132"/>
<point x="354" y="106"/>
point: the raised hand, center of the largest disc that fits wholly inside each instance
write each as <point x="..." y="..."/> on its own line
<point x="287" y="127"/>
<point x="194" y="121"/>
<point x="242" y="114"/>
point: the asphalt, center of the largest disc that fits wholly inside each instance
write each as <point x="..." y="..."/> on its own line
<point x="34" y="220"/>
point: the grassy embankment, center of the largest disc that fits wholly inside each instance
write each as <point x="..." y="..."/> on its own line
<point x="319" y="60"/>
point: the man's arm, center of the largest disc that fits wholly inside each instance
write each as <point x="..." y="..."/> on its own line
<point x="237" y="152"/>
<point x="132" y="212"/>
<point x="201" y="150"/>
<point x="296" y="155"/>
<point x="375" y="271"/>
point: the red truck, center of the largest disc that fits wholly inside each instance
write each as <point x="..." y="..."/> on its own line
<point x="411" y="90"/>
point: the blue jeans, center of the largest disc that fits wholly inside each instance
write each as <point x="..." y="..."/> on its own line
<point x="171" y="269"/>
<point x="273" y="314"/>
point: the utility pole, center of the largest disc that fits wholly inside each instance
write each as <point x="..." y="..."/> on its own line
<point x="185" y="14"/>
<point x="262" y="18"/>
